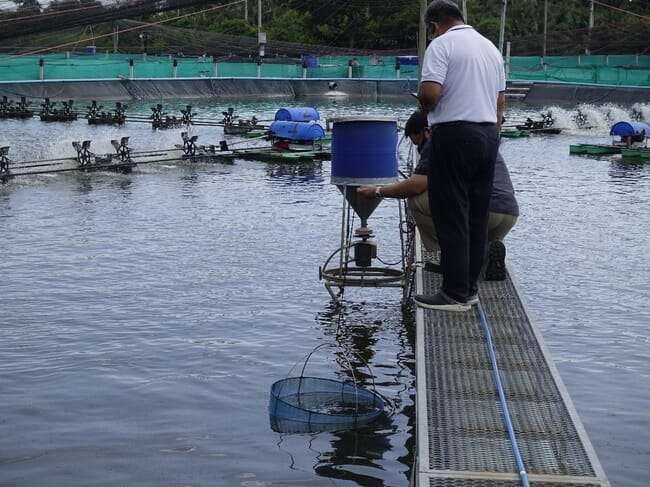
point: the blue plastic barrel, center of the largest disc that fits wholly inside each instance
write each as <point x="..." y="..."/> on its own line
<point x="297" y="130"/>
<point x="364" y="150"/>
<point x="297" y="114"/>
<point x="91" y="50"/>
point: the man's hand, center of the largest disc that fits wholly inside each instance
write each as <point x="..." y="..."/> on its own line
<point x="367" y="191"/>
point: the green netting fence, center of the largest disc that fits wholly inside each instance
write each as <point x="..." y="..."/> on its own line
<point x="628" y="70"/>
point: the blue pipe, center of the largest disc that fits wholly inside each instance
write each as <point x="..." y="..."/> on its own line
<point x="504" y="405"/>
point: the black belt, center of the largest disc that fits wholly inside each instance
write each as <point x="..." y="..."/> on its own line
<point x="461" y="122"/>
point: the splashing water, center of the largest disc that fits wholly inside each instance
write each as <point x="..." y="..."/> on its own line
<point x="592" y="118"/>
<point x="641" y="112"/>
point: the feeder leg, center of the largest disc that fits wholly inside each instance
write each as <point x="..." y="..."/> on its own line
<point x="328" y="286"/>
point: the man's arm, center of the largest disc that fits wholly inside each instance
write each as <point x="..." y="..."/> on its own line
<point x="501" y="103"/>
<point x="428" y="95"/>
<point x="412" y="186"/>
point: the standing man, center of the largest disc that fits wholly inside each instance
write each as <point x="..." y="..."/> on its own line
<point x="463" y="90"/>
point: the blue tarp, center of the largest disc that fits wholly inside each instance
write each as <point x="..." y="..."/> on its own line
<point x="625" y="129"/>
<point x="297" y="114"/>
<point x="297" y="130"/>
<point x="407" y="60"/>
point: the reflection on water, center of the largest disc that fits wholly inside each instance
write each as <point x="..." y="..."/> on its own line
<point x="367" y="450"/>
<point x="359" y="333"/>
<point x="631" y="172"/>
<point x="380" y="453"/>
<point x="296" y="173"/>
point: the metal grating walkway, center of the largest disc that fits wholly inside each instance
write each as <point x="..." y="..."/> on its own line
<point x="462" y="438"/>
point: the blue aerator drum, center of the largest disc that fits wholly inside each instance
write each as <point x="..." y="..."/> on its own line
<point x="297" y="114"/>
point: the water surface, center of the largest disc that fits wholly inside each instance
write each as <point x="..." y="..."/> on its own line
<point x="145" y="316"/>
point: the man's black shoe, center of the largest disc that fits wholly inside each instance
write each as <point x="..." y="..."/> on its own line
<point x="496" y="265"/>
<point x="440" y="301"/>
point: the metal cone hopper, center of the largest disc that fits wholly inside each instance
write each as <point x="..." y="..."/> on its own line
<point x="364" y="152"/>
<point x="363" y="207"/>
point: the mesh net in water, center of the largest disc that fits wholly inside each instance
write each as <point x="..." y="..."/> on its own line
<point x="322" y="404"/>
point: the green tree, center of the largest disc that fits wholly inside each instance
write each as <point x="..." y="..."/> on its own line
<point x="290" y="26"/>
<point x="238" y="27"/>
<point x="490" y="28"/>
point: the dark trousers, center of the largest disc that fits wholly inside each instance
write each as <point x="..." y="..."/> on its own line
<point x="460" y="185"/>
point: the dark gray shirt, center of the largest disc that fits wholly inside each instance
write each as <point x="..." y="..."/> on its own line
<point x="503" y="194"/>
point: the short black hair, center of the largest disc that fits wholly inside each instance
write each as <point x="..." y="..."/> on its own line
<point x="442" y="11"/>
<point x="416" y="123"/>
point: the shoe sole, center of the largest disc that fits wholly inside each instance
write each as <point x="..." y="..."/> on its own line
<point x="458" y="307"/>
<point x="496" y="266"/>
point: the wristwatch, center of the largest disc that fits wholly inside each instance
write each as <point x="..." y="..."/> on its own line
<point x="378" y="194"/>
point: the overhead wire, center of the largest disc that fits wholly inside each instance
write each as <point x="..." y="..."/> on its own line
<point x="72" y="18"/>
<point x="51" y="13"/>
<point x="616" y="9"/>
<point x="162" y="21"/>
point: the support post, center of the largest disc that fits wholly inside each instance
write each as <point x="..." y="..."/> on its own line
<point x="175" y="68"/>
<point x="130" y="68"/>
<point x="422" y="37"/>
<point x="503" y="25"/>
<point x="41" y="69"/>
<point x="545" y="31"/>
<point x="507" y="60"/>
<point x="591" y="26"/>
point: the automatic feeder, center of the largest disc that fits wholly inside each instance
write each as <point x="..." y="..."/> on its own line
<point x="364" y="152"/>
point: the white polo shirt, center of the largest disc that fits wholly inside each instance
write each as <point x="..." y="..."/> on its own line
<point x="470" y="69"/>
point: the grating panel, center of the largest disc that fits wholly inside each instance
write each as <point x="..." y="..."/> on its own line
<point x="453" y="482"/>
<point x="466" y="427"/>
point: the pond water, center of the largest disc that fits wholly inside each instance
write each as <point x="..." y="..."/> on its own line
<point x="145" y="316"/>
